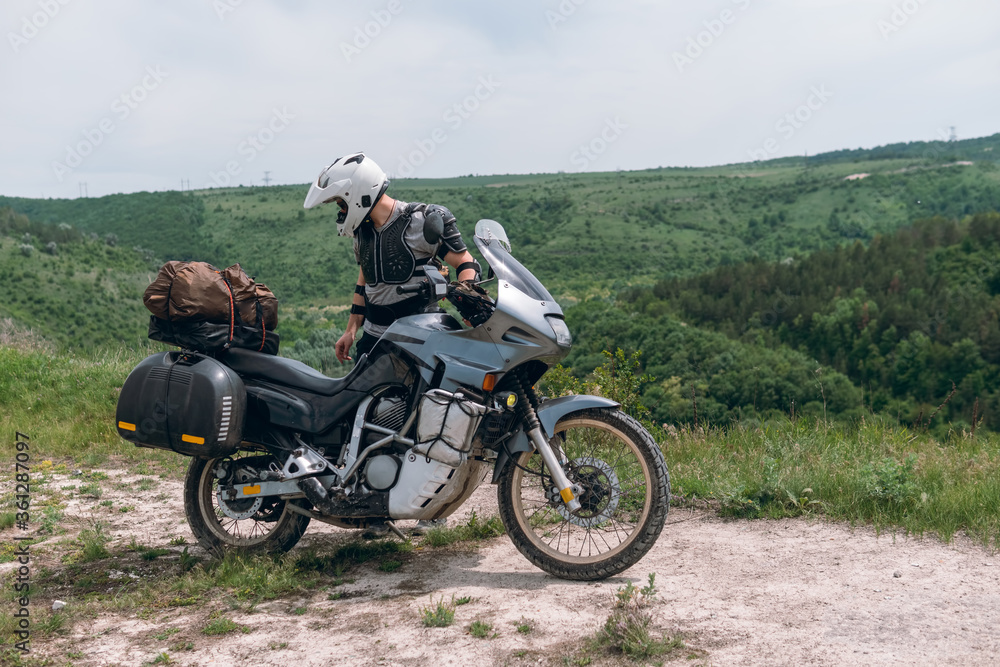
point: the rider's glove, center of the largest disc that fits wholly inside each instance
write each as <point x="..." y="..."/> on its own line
<point x="472" y="301"/>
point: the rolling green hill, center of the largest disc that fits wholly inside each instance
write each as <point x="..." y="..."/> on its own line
<point x="583" y="234"/>
<point x="686" y="265"/>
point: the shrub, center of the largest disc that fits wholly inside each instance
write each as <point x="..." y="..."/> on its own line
<point x="440" y="615"/>
<point x="890" y="481"/>
<point x="627" y="627"/>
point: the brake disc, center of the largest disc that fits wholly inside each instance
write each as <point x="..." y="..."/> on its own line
<point x="600" y="496"/>
<point x="240" y="508"/>
<point x="237" y="508"/>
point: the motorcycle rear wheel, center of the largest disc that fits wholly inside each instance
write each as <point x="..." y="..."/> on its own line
<point x="625" y="498"/>
<point x="270" y="529"/>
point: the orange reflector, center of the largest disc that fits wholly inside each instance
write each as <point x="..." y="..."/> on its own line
<point x="251" y="490"/>
<point x="567" y="495"/>
<point x="193" y="439"/>
<point x="489" y="382"/>
<point x="125" y="426"/>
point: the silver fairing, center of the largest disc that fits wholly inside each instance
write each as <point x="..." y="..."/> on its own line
<point x="516" y="333"/>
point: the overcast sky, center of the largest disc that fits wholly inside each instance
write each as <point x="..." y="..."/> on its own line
<point x="128" y="95"/>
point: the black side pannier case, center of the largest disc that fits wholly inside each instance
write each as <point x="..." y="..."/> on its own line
<point x="185" y="402"/>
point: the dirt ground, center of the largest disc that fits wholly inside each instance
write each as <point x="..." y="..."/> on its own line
<point x="796" y="591"/>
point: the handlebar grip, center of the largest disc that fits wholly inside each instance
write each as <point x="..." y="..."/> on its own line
<point x="409" y="289"/>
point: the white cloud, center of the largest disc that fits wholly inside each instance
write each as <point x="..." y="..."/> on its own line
<point x="560" y="82"/>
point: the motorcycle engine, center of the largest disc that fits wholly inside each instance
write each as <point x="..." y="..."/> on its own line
<point x="388" y="412"/>
<point x="382" y="471"/>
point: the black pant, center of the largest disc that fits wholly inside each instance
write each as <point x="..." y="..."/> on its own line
<point x="365" y="345"/>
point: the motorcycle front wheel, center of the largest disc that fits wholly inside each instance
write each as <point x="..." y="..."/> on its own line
<point x="625" y="495"/>
<point x="255" y="525"/>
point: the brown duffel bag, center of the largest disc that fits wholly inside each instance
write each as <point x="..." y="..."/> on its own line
<point x="185" y="293"/>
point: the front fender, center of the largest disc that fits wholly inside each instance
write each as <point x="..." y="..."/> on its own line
<point x="549" y="413"/>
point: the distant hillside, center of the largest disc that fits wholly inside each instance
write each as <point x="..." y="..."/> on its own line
<point x="981" y="149"/>
<point x="584" y="234"/>
<point x="78" y="292"/>
<point x="902" y="319"/>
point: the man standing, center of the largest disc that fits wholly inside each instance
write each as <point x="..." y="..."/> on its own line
<point x="390" y="247"/>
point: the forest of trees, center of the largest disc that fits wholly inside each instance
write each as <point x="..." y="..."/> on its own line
<point x="903" y="319"/>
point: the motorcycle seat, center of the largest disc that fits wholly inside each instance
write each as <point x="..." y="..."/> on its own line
<point x="287" y="372"/>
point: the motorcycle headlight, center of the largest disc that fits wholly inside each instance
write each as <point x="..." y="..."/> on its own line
<point x="559" y="328"/>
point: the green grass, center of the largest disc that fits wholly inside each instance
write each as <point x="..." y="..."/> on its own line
<point x="870" y="472"/>
<point x="628" y="629"/>
<point x="390" y="565"/>
<point x="473" y="530"/>
<point x="249" y="579"/>
<point x="92" y="545"/>
<point x="66" y="405"/>
<point x="92" y="490"/>
<point x="223" y="626"/>
<point x="439" y="614"/>
<point x="480" y="629"/>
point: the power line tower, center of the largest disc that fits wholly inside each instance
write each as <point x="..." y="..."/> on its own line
<point x="83" y="189"/>
<point x="953" y="136"/>
<point x="267" y="178"/>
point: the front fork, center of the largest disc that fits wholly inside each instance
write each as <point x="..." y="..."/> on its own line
<point x="566" y="489"/>
<point x="563" y="485"/>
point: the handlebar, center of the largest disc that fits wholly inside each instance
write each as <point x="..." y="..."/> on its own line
<point x="412" y="289"/>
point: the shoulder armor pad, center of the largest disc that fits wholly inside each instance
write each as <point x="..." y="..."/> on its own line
<point x="451" y="240"/>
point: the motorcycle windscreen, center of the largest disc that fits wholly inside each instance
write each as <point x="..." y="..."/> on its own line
<point x="512" y="271"/>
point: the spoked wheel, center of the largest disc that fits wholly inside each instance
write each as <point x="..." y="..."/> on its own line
<point x="624" y="497"/>
<point x="254" y="524"/>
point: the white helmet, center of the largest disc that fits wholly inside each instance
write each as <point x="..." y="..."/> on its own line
<point x="356" y="183"/>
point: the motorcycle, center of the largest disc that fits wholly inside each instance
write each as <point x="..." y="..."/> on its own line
<point x="411" y="431"/>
